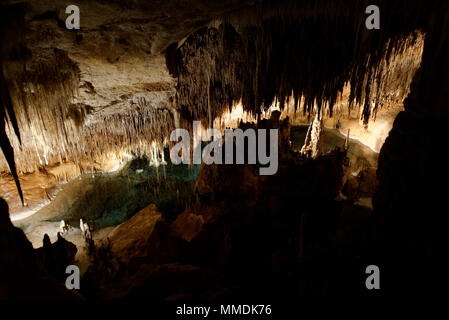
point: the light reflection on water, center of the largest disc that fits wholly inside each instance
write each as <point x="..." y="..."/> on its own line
<point x="108" y="199"/>
<point x="114" y="198"/>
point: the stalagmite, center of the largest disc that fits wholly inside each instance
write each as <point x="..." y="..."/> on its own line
<point x="82" y="226"/>
<point x="347" y="140"/>
<point x="61" y="226"/>
<point x="313" y="143"/>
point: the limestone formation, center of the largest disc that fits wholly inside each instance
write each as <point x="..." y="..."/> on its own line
<point x="89" y="100"/>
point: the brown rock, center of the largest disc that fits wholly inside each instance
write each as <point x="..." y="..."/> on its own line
<point x="187" y="225"/>
<point x="131" y="238"/>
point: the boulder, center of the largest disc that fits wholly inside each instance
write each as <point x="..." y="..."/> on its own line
<point x="187" y="225"/>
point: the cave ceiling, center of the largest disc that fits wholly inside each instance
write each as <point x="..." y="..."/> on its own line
<point x="118" y="50"/>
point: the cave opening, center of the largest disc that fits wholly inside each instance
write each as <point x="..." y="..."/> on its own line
<point x="87" y="174"/>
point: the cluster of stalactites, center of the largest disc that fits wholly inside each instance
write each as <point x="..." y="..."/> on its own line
<point x="278" y="59"/>
<point x="41" y="96"/>
<point x="53" y="129"/>
<point x="138" y="132"/>
<point x="396" y="73"/>
<point x="38" y="99"/>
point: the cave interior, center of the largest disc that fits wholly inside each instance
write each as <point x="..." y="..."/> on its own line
<point x="87" y="177"/>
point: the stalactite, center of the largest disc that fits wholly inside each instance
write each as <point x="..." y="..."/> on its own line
<point x="7" y="115"/>
<point x="11" y="25"/>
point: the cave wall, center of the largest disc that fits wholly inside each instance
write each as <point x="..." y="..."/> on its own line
<point x="410" y="215"/>
<point x="411" y="162"/>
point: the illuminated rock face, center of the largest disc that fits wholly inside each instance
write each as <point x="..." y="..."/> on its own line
<point x="72" y="88"/>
